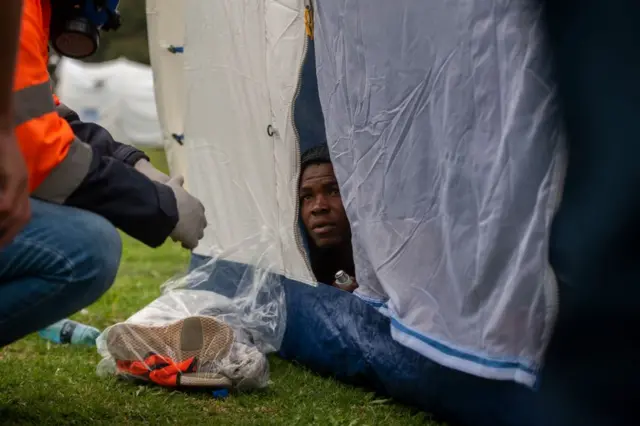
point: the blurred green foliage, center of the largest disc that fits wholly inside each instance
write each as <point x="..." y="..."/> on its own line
<point x="130" y="40"/>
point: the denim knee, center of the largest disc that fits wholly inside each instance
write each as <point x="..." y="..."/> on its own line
<point x="63" y="261"/>
<point x="101" y="247"/>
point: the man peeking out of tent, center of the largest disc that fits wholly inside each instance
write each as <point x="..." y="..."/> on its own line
<point x="82" y="183"/>
<point x="324" y="218"/>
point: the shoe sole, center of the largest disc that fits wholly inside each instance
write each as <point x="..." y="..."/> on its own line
<point x="202" y="337"/>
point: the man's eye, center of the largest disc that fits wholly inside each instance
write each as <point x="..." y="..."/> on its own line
<point x="334" y="192"/>
<point x="305" y="197"/>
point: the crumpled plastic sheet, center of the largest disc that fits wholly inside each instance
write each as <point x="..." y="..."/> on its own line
<point x="189" y="337"/>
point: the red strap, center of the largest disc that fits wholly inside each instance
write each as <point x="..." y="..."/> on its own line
<point x="157" y="368"/>
<point x="168" y="376"/>
<point x="137" y="368"/>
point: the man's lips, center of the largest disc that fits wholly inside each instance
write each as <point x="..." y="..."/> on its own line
<point x="325" y="228"/>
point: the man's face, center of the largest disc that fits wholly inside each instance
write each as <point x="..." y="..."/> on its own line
<point x="321" y="207"/>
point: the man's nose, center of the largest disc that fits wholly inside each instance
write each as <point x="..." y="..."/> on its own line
<point x="320" y="204"/>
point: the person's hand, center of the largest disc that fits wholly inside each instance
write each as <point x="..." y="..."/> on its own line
<point x="147" y="169"/>
<point x="15" y="210"/>
<point x="191" y="221"/>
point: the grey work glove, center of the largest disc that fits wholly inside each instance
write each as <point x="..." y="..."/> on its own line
<point x="191" y="218"/>
<point x="147" y="169"/>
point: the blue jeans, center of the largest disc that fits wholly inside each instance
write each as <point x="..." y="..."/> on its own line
<point x="63" y="260"/>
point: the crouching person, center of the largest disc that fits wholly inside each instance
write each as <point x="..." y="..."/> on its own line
<point x="83" y="185"/>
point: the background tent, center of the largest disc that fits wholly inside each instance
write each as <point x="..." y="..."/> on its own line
<point x="118" y="95"/>
<point x="248" y="103"/>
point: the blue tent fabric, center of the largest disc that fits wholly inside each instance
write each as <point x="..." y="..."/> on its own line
<point x="334" y="333"/>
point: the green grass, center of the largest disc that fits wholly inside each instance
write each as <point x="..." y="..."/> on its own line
<point x="43" y="383"/>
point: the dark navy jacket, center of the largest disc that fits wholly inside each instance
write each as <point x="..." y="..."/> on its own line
<point x="144" y="209"/>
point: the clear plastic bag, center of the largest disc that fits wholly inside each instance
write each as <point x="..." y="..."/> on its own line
<point x="211" y="328"/>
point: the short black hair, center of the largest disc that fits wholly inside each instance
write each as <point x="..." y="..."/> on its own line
<point x="316" y="155"/>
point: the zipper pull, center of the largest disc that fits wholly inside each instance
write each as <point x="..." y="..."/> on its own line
<point x="308" y="21"/>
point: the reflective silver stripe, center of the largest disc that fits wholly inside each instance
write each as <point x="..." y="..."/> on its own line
<point x="64" y="110"/>
<point x="33" y="102"/>
<point x="67" y="175"/>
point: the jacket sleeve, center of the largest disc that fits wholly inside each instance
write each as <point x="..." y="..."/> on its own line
<point x="99" y="138"/>
<point x="143" y="209"/>
<point x="132" y="202"/>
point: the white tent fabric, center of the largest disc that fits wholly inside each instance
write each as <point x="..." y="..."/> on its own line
<point x="242" y="59"/>
<point x="446" y="141"/>
<point x="165" y="24"/>
<point x="445" y="138"/>
<point x="117" y="94"/>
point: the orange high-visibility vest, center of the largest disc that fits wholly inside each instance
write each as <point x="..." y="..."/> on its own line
<point x="44" y="137"/>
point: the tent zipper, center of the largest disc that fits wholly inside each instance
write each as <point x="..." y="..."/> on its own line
<point x="308" y="15"/>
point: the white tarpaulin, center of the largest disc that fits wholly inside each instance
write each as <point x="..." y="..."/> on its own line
<point x="118" y="95"/>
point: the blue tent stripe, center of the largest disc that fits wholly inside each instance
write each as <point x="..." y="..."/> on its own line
<point x="502" y="364"/>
